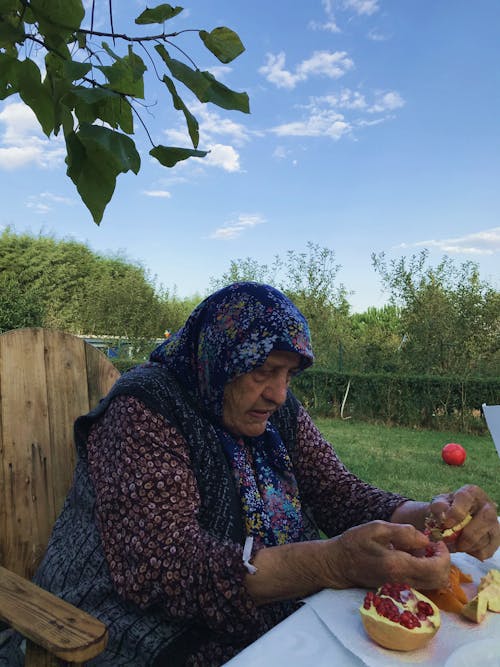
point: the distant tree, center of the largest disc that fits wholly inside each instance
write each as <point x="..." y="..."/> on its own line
<point x="18" y="308"/>
<point x="77" y="290"/>
<point x="450" y="319"/>
<point x="119" y="299"/>
<point x="92" y="91"/>
<point x="243" y="270"/>
<point x="175" y="310"/>
<point x="376" y="339"/>
<point x="309" y="280"/>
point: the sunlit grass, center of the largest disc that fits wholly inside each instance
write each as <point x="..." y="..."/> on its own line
<point x="409" y="461"/>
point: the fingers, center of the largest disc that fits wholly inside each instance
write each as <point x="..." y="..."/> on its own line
<point x="481" y="538"/>
<point x="451" y="508"/>
<point x="381" y="552"/>
<point x="431" y="571"/>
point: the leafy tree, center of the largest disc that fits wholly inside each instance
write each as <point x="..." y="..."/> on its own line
<point x="309" y="280"/>
<point x="91" y="91"/>
<point x="376" y="340"/>
<point x="450" y="319"/>
<point x="175" y="310"/>
<point x="77" y="290"/>
<point x="243" y="270"/>
<point x="18" y="308"/>
<point x="118" y="299"/>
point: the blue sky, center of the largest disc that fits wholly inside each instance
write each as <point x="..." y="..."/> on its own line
<point x="374" y="127"/>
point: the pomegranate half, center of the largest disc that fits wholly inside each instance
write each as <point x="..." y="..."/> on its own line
<point x="399" y="618"/>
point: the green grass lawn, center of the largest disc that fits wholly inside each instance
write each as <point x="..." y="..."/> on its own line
<point x="408" y="461"/>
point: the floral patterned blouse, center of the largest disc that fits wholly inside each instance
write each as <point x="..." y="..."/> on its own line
<point x="147" y="505"/>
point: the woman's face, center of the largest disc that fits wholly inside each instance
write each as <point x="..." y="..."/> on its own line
<point x="251" y="398"/>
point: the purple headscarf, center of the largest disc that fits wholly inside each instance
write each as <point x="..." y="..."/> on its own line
<point x="230" y="333"/>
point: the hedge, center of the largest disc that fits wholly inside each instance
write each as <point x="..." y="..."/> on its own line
<point x="438" y="403"/>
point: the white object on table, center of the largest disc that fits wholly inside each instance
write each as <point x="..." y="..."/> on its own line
<point x="327" y="630"/>
<point x="492" y="416"/>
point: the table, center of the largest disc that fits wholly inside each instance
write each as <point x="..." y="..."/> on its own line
<point x="304" y="640"/>
<point x="300" y="640"/>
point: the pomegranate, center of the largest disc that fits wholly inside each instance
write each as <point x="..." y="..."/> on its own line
<point x="399" y="618"/>
<point x="453" y="454"/>
<point x="449" y="535"/>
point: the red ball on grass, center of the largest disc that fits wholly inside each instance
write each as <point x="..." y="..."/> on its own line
<point x="453" y="454"/>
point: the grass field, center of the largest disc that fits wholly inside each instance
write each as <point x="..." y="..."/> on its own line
<point x="409" y="461"/>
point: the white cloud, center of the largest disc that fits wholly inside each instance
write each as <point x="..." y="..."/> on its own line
<point x="377" y="36"/>
<point x="43" y="203"/>
<point x="346" y="99"/>
<point x="333" y="115"/>
<point x="22" y="142"/>
<point x="486" y="242"/>
<point x="280" y="153"/>
<point x="319" y="124"/>
<point x="162" y="194"/>
<point x="362" y="7"/>
<point x="359" y="7"/>
<point x="328" y="26"/>
<point x="213" y="128"/>
<point x="224" y="157"/>
<point x="387" y="102"/>
<point x="322" y="63"/>
<point x="235" y="228"/>
<point x="220" y="72"/>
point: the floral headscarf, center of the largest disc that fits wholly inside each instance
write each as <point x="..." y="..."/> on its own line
<point x="230" y="333"/>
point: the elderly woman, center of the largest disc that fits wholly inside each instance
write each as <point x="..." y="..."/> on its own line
<point x="193" y="523"/>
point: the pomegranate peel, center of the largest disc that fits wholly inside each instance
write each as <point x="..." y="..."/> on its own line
<point x="487" y="598"/>
<point x="492" y="577"/>
<point x="399" y="618"/>
<point x="451" y="597"/>
<point x="437" y="533"/>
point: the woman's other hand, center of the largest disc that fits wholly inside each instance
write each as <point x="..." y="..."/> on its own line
<point x="481" y="536"/>
<point x="376" y="552"/>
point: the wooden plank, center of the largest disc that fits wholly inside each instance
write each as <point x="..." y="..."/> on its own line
<point x="67" y="399"/>
<point x="26" y="503"/>
<point x="101" y="374"/>
<point x="65" y="631"/>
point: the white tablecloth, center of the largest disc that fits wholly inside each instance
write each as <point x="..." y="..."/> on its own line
<point x="327" y="631"/>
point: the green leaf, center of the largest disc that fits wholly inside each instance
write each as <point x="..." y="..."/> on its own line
<point x="224" y="97"/>
<point x="169" y="156"/>
<point x="126" y="75"/>
<point x="158" y="14"/>
<point x="192" y="123"/>
<point x="10" y="33"/>
<point x="7" y="6"/>
<point x="53" y="14"/>
<point x="93" y="103"/>
<point x="8" y="75"/>
<point x="35" y="95"/>
<point x="223" y="43"/>
<point x="96" y="156"/>
<point x="74" y="70"/>
<point x="204" y="85"/>
<point x="57" y="84"/>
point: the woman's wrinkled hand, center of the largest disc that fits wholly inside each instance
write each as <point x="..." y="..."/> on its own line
<point x="481" y="536"/>
<point x="377" y="552"/>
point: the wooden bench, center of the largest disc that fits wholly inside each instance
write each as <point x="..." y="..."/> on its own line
<point x="47" y="379"/>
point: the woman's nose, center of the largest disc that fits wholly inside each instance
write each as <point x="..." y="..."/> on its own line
<point x="276" y="389"/>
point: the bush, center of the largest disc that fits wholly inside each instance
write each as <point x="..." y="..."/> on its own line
<point x="419" y="401"/>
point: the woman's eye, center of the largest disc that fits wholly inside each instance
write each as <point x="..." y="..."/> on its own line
<point x="260" y="375"/>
